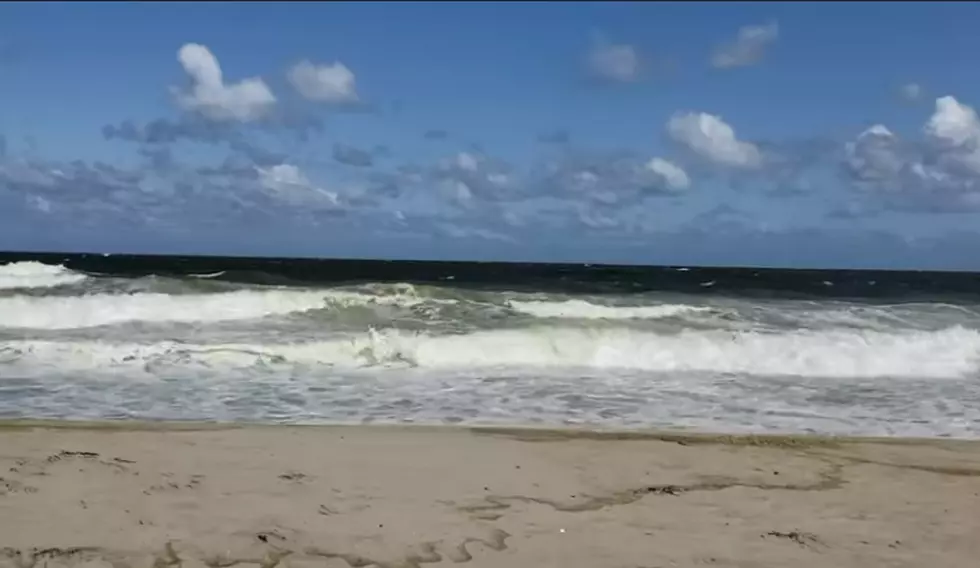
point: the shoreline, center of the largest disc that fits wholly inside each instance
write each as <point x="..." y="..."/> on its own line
<point x="523" y="432"/>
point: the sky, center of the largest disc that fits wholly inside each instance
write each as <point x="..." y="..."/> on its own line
<point x="768" y="134"/>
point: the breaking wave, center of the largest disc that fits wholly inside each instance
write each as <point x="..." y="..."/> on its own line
<point x="75" y="344"/>
<point x="36" y="275"/>
<point x="949" y="353"/>
<point x="74" y="312"/>
<point x="580" y="309"/>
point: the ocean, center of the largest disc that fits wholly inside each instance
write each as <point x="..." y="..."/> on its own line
<point x="304" y="341"/>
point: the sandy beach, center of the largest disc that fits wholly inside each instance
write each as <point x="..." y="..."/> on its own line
<point x="155" y="496"/>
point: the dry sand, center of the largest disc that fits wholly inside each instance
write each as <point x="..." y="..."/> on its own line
<point x="305" y="497"/>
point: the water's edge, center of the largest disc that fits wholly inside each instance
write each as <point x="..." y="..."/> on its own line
<point x="524" y="433"/>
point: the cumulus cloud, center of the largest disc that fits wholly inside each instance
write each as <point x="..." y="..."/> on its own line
<point x="748" y="48"/>
<point x="209" y="95"/>
<point x="672" y="175"/>
<point x="953" y="124"/>
<point x="286" y="182"/>
<point x="618" y="63"/>
<point x="941" y="173"/>
<point x="712" y="138"/>
<point x="467" y="176"/>
<point x="467" y="180"/>
<point x="330" y="83"/>
<point x="605" y="178"/>
<point x="955" y="128"/>
<point x="874" y="156"/>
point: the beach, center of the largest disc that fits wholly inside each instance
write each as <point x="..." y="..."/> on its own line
<point x="135" y="494"/>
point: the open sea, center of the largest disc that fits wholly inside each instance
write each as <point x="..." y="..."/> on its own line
<point x="346" y="341"/>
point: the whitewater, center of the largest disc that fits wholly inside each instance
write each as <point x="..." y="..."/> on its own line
<point x="84" y="346"/>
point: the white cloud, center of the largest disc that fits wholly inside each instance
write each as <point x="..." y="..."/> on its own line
<point x="956" y="130"/>
<point x="613" y="62"/>
<point x="878" y="159"/>
<point x="468" y="175"/>
<point x="911" y="91"/>
<point x="282" y="175"/>
<point x="712" y="138"/>
<point x="953" y="124"/>
<point x="331" y="83"/>
<point x="874" y="156"/>
<point x="247" y="100"/>
<point x="878" y="130"/>
<point x="931" y="176"/>
<point x="748" y="48"/>
<point x="945" y="176"/>
<point x="287" y="183"/>
<point x="673" y="176"/>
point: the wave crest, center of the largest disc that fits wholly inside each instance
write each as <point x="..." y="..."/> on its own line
<point x="34" y="274"/>
<point x="948" y="353"/>
<point x="76" y="312"/>
<point x="580" y="309"/>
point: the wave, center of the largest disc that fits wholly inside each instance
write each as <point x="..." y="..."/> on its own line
<point x="580" y="309"/>
<point x="73" y="312"/>
<point x="949" y="353"/>
<point x="95" y="310"/>
<point x="34" y="274"/>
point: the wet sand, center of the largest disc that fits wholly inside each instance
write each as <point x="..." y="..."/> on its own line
<point x="160" y="495"/>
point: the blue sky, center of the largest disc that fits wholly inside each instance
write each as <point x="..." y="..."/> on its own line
<point x="800" y="134"/>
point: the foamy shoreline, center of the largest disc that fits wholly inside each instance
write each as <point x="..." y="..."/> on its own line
<point x="208" y="494"/>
